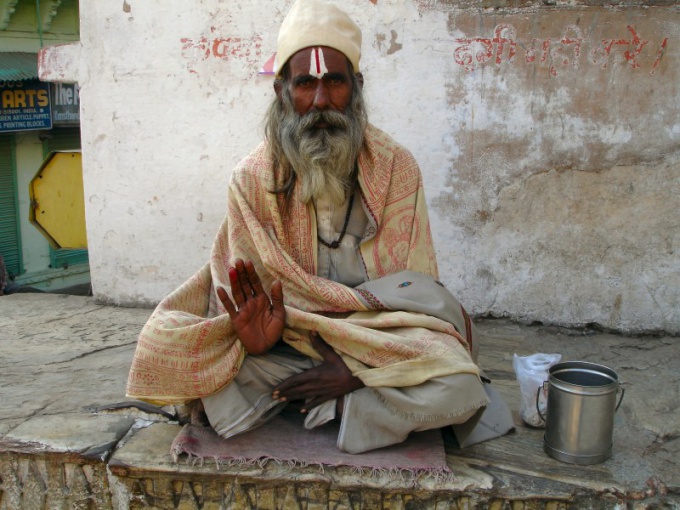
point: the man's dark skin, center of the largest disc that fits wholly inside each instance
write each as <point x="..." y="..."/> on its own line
<point x="259" y="321"/>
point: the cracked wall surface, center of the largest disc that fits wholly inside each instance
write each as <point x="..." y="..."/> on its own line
<point x="548" y="137"/>
<point x="564" y="185"/>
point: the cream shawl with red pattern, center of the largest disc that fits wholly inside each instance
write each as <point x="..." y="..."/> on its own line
<point x="188" y="348"/>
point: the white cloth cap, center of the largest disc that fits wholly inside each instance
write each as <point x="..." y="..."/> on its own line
<point x="317" y="23"/>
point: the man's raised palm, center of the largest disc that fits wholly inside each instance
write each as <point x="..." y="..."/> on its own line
<point x="258" y="321"/>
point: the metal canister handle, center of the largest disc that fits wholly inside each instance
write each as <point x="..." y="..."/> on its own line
<point x="623" y="390"/>
<point x="542" y="386"/>
<point x="538" y="395"/>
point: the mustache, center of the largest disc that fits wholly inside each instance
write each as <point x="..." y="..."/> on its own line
<point x="332" y="118"/>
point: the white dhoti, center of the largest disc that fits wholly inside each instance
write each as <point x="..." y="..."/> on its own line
<point x="371" y="418"/>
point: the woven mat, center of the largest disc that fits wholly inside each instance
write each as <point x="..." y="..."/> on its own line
<point x="285" y="440"/>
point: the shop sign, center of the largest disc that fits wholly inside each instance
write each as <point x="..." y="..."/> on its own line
<point x="24" y="105"/>
<point x="65" y="104"/>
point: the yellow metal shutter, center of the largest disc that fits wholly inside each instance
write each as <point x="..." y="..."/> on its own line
<point x="64" y="139"/>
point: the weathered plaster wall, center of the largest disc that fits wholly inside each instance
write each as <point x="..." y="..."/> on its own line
<point x="548" y="137"/>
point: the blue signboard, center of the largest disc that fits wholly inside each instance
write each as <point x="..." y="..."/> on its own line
<point x="24" y="105"/>
<point x="65" y="102"/>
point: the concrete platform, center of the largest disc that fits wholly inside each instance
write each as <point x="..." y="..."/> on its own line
<point x="63" y="356"/>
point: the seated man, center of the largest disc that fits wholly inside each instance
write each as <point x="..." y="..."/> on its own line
<point x="321" y="286"/>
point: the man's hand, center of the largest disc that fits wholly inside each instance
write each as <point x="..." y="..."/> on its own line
<point x="257" y="320"/>
<point x="331" y="379"/>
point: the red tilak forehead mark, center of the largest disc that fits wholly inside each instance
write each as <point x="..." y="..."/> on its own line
<point x="317" y="64"/>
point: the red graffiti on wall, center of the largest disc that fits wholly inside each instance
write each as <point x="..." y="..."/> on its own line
<point x="479" y="50"/>
<point x="472" y="53"/>
<point x="248" y="49"/>
<point x="565" y="51"/>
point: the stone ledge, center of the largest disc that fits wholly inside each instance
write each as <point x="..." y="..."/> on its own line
<point x="80" y="435"/>
<point x="64" y="355"/>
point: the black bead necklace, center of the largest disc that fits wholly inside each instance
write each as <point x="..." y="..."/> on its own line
<point x="337" y="242"/>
